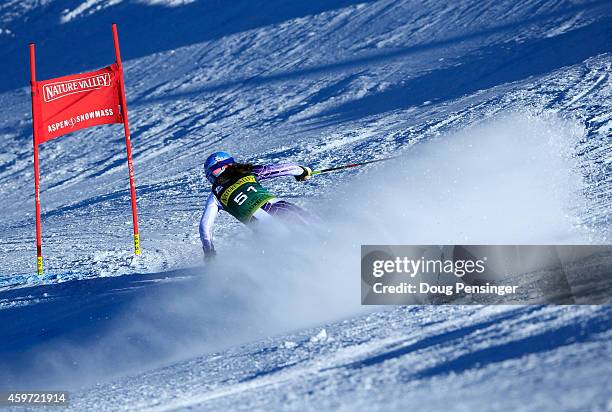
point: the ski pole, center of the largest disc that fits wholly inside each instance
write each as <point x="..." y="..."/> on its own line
<point x="348" y="166"/>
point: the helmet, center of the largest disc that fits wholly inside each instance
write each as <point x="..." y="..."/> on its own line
<point x="216" y="163"/>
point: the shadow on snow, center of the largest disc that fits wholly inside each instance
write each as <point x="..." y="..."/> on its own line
<point x="143" y="29"/>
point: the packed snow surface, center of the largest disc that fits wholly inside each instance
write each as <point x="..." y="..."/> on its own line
<point x="499" y="111"/>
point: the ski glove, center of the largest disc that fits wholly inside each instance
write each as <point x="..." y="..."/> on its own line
<point x="306" y="174"/>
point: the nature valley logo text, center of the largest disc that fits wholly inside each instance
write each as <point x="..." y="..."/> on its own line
<point x="54" y="91"/>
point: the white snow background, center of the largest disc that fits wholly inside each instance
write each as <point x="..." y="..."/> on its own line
<point x="500" y="112"/>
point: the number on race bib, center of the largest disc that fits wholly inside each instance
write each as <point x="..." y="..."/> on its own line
<point x="240" y="198"/>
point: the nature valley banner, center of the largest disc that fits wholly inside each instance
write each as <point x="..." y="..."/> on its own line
<point x="66" y="104"/>
<point x="69" y="103"/>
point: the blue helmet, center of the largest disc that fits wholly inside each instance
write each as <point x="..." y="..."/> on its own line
<point x="216" y="163"/>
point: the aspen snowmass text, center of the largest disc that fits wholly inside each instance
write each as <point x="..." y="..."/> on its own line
<point x="94" y="114"/>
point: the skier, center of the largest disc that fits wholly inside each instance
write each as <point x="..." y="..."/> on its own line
<point x="236" y="189"/>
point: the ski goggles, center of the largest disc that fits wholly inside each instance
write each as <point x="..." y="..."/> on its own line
<point x="216" y="172"/>
<point x="217" y="169"/>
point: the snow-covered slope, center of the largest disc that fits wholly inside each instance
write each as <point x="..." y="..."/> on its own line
<point x="500" y="109"/>
<point x="522" y="358"/>
<point x="351" y="83"/>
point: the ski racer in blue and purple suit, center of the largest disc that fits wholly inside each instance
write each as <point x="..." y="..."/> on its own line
<point x="236" y="189"/>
